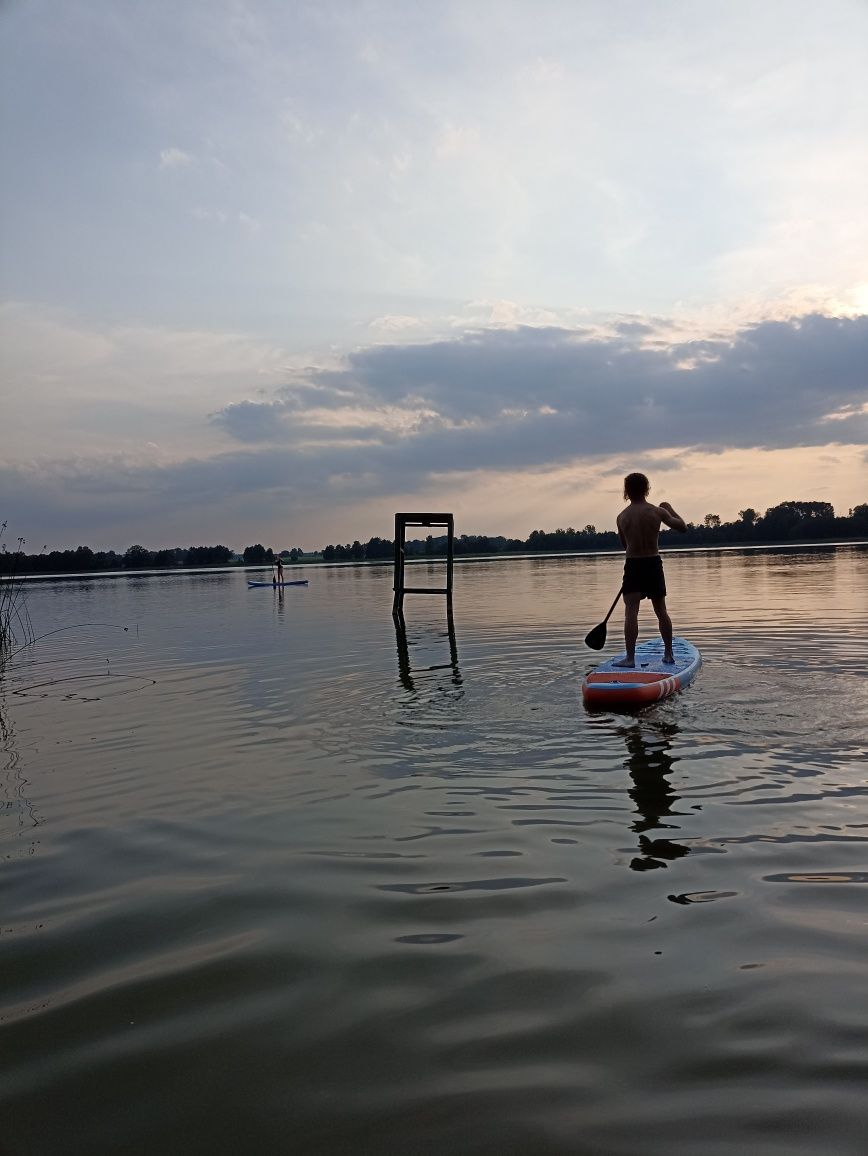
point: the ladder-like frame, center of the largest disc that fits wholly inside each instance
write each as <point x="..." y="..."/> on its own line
<point x="402" y="521"/>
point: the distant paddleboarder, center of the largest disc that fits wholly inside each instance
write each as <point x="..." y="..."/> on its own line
<point x="277" y="576"/>
<point x="638" y="527"/>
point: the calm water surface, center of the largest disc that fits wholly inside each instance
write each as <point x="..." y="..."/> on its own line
<point x="276" y="878"/>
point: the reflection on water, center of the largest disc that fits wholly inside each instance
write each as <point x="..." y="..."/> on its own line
<point x="649" y="762"/>
<point x="285" y="899"/>
<point x="18" y="812"/>
<point x="405" y="671"/>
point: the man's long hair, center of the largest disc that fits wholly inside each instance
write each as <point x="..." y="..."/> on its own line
<point x="636" y="487"/>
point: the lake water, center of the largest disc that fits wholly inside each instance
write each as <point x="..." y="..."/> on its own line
<point x="276" y="878"/>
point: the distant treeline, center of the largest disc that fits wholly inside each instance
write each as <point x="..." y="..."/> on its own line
<point x="260" y="555"/>
<point x="787" y="522"/>
<point x="135" y="558"/>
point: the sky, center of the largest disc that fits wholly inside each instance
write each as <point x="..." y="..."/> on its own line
<point x="273" y="271"/>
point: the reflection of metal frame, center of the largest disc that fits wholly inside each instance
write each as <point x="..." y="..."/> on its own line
<point x="402" y="521"/>
<point x="405" y="672"/>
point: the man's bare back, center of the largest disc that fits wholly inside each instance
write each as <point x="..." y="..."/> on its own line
<point x="639" y="527"/>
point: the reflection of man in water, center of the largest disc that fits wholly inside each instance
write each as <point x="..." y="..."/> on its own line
<point x="638" y="528"/>
<point x="648" y="764"/>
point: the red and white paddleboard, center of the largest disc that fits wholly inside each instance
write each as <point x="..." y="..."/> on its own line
<point x="650" y="680"/>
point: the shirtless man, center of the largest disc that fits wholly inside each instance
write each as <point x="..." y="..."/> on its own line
<point x="638" y="527"/>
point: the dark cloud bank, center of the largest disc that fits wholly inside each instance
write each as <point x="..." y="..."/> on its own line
<point x="500" y="399"/>
<point x="530" y="396"/>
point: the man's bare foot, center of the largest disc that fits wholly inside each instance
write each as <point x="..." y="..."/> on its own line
<point x="627" y="662"/>
<point x="669" y="659"/>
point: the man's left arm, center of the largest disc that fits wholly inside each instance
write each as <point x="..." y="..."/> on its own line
<point x="673" y="521"/>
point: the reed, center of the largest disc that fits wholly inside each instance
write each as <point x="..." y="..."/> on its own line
<point x="15" y="626"/>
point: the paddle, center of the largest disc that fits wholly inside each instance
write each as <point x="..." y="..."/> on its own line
<point x="596" y="638"/>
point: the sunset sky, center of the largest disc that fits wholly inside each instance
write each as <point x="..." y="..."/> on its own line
<point x="272" y="271"/>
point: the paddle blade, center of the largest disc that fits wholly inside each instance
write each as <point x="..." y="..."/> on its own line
<point x="596" y="638"/>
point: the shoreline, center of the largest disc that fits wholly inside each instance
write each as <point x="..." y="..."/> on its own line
<point x="462" y="559"/>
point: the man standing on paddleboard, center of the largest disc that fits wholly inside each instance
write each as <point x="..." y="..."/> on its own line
<point x="638" y="528"/>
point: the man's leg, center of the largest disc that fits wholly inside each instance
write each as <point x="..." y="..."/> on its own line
<point x="631" y="628"/>
<point x="665" y="623"/>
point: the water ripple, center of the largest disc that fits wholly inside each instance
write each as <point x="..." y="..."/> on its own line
<point x="274" y="872"/>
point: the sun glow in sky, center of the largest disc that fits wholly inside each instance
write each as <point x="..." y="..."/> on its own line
<point x="271" y="271"/>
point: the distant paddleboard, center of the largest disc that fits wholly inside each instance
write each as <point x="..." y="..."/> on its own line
<point x="650" y="680"/>
<point x="296" y="582"/>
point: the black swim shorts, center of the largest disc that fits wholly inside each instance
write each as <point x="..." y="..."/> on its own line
<point x="645" y="576"/>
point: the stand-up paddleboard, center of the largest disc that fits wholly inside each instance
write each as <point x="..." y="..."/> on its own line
<point x="650" y="680"/>
<point x="296" y="582"/>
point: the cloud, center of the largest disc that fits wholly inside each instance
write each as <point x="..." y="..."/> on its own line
<point x="297" y="129"/>
<point x="250" y="224"/>
<point x="405" y="418"/>
<point x="174" y="158"/>
<point x="72" y="385"/>
<point x="40" y="342"/>
<point x="597" y="157"/>
<point x="530" y="395"/>
<point x="394" y="323"/>
<point x="203" y="213"/>
<point x="249" y="421"/>
<point x="771" y="383"/>
<point x="485" y="314"/>
<point x="456" y="141"/>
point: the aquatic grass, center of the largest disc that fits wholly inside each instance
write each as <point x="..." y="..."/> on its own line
<point x="16" y="628"/>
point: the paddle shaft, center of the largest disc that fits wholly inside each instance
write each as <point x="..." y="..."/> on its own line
<point x="596" y="638"/>
<point x="612" y="607"/>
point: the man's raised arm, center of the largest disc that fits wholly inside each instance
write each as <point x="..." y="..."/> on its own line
<point x="673" y="520"/>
